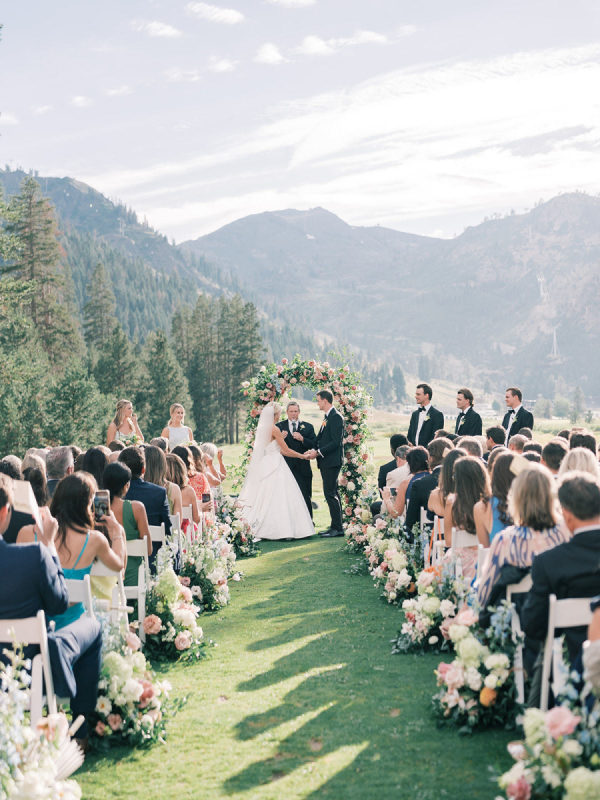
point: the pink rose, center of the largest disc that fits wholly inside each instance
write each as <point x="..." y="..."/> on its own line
<point x="183" y="640"/>
<point x="132" y="641"/>
<point x="442" y="669"/>
<point x="115" y="722"/>
<point x="561" y="722"/>
<point x="379" y="524"/>
<point x="519" y="790"/>
<point x="425" y="579"/>
<point x="455" y="677"/>
<point x="152" y="624"/>
<point x="445" y="627"/>
<point x="466" y="617"/>
<point x="284" y="361"/>
<point x="100" y="728"/>
<point x="185" y="594"/>
<point x="147" y="694"/>
<point x="184" y="581"/>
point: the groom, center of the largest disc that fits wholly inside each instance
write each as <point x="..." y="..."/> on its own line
<point x="329" y="455"/>
<point x="299" y="436"/>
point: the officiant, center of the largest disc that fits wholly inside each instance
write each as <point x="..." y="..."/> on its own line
<point x="299" y="436"/>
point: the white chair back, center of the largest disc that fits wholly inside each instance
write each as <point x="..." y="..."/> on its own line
<point x="32" y="630"/>
<point x="482" y="554"/>
<point x="573" y="612"/>
<point x="461" y="539"/>
<point x="138" y="548"/>
<point x="119" y="609"/>
<point x="523" y="586"/>
<point x="81" y="592"/>
<point x="157" y="533"/>
<point x="175" y="522"/>
<point x="423" y="517"/>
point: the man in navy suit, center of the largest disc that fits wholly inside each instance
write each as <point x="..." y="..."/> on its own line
<point x="31" y="580"/>
<point x="330" y="454"/>
<point x="153" y="497"/>
<point x="517" y="416"/>
<point x="426" y="420"/>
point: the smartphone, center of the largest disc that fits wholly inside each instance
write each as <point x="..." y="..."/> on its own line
<point x="101" y="504"/>
<point x="393" y="491"/>
<point x="206" y="498"/>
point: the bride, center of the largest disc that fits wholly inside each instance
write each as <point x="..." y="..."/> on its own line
<point x="270" y="498"/>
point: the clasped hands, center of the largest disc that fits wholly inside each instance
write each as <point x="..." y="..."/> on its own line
<point x="310" y="454"/>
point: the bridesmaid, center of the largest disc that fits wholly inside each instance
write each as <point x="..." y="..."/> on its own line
<point x="176" y="432"/>
<point x="124" y="425"/>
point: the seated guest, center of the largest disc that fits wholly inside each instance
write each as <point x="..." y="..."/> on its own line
<point x="216" y="473"/>
<point x="526" y="432"/>
<point x="439" y="496"/>
<point x="16" y="519"/>
<point x="573" y="568"/>
<point x="532" y="505"/>
<point x="156" y="472"/>
<point x="517" y="443"/>
<point x="31" y="580"/>
<point x="471" y="484"/>
<point x="532" y="456"/>
<point x="59" y="462"/>
<point x="498" y="451"/>
<point x="116" y="446"/>
<point x="553" y="454"/>
<point x="564" y="434"/>
<point x="175" y="432"/>
<point x="395" y="476"/>
<point x="419" y="496"/>
<point x="495" y="438"/>
<point x="491" y="515"/>
<point x="94" y="462"/>
<point x="580" y="459"/>
<point x="471" y="445"/>
<point x="442" y="434"/>
<point x="199" y="481"/>
<point x="161" y="442"/>
<point x="124" y="426"/>
<point x="15" y="461"/>
<point x="153" y="497"/>
<point x="37" y="479"/>
<point x="177" y="473"/>
<point x="131" y="514"/>
<point x="583" y="439"/>
<point x="34" y="458"/>
<point x="396" y="441"/>
<point x="418" y="462"/>
<point x="591" y="648"/>
<point x="532" y="447"/>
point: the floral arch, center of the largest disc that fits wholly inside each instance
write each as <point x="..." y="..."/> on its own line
<point x="273" y="381"/>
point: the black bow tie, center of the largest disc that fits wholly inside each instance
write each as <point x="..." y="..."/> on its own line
<point x="462" y="413"/>
<point x="420" y="409"/>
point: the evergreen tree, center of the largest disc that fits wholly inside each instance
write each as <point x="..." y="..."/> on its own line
<point x="166" y="384"/>
<point x="117" y="371"/>
<point x="77" y="412"/>
<point x="99" y="312"/>
<point x="398" y="383"/>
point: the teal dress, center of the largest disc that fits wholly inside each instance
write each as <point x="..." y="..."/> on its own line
<point x="131" y="533"/>
<point x="77" y="610"/>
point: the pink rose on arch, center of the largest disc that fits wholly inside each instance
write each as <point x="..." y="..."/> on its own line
<point x="115" y="722"/>
<point x="152" y="624"/>
<point x="560" y="721"/>
<point x="519" y="790"/>
<point x="348" y="512"/>
<point x="466" y="617"/>
<point x="184" y="581"/>
<point x="100" y="728"/>
<point x="183" y="640"/>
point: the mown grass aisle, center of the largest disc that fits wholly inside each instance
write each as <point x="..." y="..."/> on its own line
<point x="302" y="699"/>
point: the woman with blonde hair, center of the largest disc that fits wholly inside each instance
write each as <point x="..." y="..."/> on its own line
<point x="177" y="473"/>
<point x="580" y="459"/>
<point x="175" y="432"/>
<point x="215" y="474"/>
<point x="533" y="506"/>
<point x="124" y="427"/>
<point x="156" y="472"/>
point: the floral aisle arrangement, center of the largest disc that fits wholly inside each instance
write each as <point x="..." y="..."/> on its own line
<point x="33" y="763"/>
<point x="560" y="757"/>
<point x="477" y="689"/>
<point x="240" y="533"/>
<point x="133" y="707"/>
<point x="205" y="572"/>
<point x="428" y="616"/>
<point x="170" y="626"/>
<point x="349" y="397"/>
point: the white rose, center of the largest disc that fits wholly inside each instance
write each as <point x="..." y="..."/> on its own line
<point x="433" y="640"/>
<point x="457" y="632"/>
<point x="490" y="681"/>
<point x="403" y="579"/>
<point x="572" y="748"/>
<point x="431" y="605"/>
<point x="398" y="561"/>
<point x="447" y="608"/>
<point x="350" y="486"/>
<point x="473" y="679"/>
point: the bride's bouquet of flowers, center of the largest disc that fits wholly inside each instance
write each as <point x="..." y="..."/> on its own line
<point x="133" y="706"/>
<point x="428" y="615"/>
<point x="560" y="757"/>
<point x="171" y="628"/>
<point x="205" y="571"/>
<point x="477" y="689"/>
<point x="33" y="762"/>
<point x="240" y="533"/>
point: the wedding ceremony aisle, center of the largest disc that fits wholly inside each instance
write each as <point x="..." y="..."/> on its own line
<point x="301" y="698"/>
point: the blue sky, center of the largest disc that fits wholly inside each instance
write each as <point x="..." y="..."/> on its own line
<point x="422" y="116"/>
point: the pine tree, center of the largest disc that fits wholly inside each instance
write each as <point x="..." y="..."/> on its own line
<point x="77" y="412"/>
<point x="117" y="370"/>
<point x="99" y="312"/>
<point x="166" y="384"/>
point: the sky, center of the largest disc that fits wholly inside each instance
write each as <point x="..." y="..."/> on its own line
<point x="423" y="116"/>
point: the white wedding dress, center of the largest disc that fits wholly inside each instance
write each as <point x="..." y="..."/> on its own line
<point x="271" y="499"/>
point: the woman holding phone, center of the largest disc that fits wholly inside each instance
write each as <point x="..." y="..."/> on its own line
<point x="124" y="427"/>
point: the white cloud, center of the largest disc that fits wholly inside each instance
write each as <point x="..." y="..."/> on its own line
<point x="178" y="75"/>
<point x="316" y="46"/>
<point x="40" y="110"/>
<point x="6" y="118"/>
<point x="225" y="16"/>
<point x="81" y="101"/>
<point x="119" y="91"/>
<point x="293" y="3"/>
<point x="216" y="64"/>
<point x="155" y="28"/>
<point x="269" y="53"/>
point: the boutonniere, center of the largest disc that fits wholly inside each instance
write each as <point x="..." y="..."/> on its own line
<point x="461" y="422"/>
<point x="324" y="424"/>
<point x="427" y="418"/>
<point x="302" y="425"/>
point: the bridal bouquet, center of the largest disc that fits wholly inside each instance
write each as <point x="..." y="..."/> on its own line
<point x="241" y="534"/>
<point x="477" y="689"/>
<point x="33" y="762"/>
<point x="206" y="568"/>
<point x="428" y="616"/>
<point x="560" y="757"/>
<point x="170" y="626"/>
<point x="133" y="706"/>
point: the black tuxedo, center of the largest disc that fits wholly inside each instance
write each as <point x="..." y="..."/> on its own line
<point x="429" y="427"/>
<point x="468" y="423"/>
<point x="571" y="569"/>
<point x="419" y="497"/>
<point x="330" y="444"/>
<point x="300" y="467"/>
<point x="383" y="472"/>
<point x="524" y="419"/>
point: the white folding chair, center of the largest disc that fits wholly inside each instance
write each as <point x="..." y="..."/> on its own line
<point x="157" y="533"/>
<point x="81" y="592"/>
<point x="522" y="587"/>
<point x="32" y="630"/>
<point x="175" y="522"/>
<point x="118" y="608"/>
<point x="439" y="545"/>
<point x="572" y="612"/>
<point x="482" y="554"/>
<point x="186" y="514"/>
<point x="139" y="549"/>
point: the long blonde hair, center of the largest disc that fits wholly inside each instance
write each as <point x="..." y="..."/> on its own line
<point x="532" y="498"/>
<point x="119" y="416"/>
<point x="173" y="408"/>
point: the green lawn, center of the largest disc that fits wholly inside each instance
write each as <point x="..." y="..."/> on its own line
<point x="302" y="699"/>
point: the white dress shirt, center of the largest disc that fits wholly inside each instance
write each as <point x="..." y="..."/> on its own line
<point x="422" y="415"/>
<point x="514" y="412"/>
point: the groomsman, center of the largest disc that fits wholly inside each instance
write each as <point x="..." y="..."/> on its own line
<point x="299" y="436"/>
<point x="516" y="417"/>
<point x="468" y="421"/>
<point x="426" y="420"/>
<point x="329" y="454"/>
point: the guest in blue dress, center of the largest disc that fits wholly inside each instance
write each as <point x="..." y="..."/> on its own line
<point x="492" y="514"/>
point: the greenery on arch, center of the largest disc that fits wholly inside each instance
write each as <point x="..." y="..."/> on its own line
<point x="273" y="381"/>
